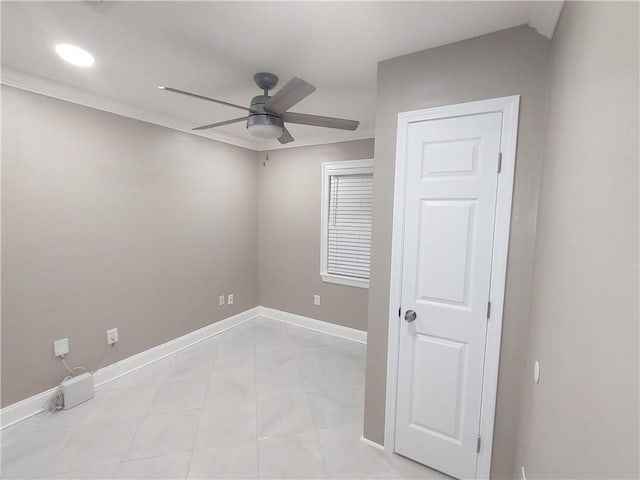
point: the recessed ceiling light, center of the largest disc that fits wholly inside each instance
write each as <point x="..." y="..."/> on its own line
<point x="74" y="55"/>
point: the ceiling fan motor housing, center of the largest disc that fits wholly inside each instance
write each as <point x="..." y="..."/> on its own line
<point x="259" y="115"/>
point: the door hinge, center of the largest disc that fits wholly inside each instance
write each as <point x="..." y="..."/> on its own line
<point x="479" y="442"/>
<point x="399" y="312"/>
<point x="499" y="161"/>
<point x="488" y="310"/>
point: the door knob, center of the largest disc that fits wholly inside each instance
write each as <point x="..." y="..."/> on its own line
<point x="410" y="316"/>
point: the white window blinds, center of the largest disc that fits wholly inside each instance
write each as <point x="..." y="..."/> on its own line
<point x="349" y="225"/>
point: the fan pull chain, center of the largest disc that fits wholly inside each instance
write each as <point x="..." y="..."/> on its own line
<point x="266" y="153"/>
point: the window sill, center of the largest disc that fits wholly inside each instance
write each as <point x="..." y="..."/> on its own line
<point x="350" y="281"/>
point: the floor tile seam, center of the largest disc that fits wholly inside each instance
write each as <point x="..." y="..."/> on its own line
<point x="131" y="460"/>
<point x="255" y="389"/>
<point x="58" y="472"/>
<point x="150" y="457"/>
<point x="61" y="473"/>
<point x="222" y="445"/>
<point x="133" y="437"/>
<point x="204" y="403"/>
<point x="325" y="464"/>
<point x="323" y="458"/>
<point x="284" y="395"/>
<point x="158" y="387"/>
<point x="149" y="413"/>
<point x="278" y="436"/>
<point x="173" y="382"/>
<point x="72" y="435"/>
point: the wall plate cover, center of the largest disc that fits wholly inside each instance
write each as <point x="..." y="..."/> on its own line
<point x="61" y="347"/>
<point x="112" y="336"/>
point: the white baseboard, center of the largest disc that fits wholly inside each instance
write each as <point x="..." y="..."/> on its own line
<point x="14" y="413"/>
<point x="353" y="334"/>
<point x="371" y="443"/>
<point x="154" y="354"/>
<point x="33" y="405"/>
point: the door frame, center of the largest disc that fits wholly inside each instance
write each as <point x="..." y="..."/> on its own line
<point x="509" y="107"/>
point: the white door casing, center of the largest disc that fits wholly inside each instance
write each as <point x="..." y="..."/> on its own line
<point x="451" y="224"/>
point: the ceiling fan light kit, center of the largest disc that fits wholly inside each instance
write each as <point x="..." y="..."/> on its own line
<point x="267" y="114"/>
<point x="265" y="130"/>
<point x="261" y="122"/>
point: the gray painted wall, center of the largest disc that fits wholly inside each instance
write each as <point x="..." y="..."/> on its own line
<point x="508" y="62"/>
<point x="581" y="420"/>
<point x="289" y="217"/>
<point x="111" y="222"/>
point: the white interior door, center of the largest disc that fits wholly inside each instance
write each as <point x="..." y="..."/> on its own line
<point x="450" y="204"/>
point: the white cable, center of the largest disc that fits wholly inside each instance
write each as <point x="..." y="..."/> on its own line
<point x="71" y="369"/>
<point x="56" y="401"/>
<point x="103" y="360"/>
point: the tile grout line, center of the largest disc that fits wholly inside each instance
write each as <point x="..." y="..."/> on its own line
<point x="146" y="413"/>
<point x="323" y="458"/>
<point x="87" y="421"/>
<point x="255" y="386"/>
<point x="204" y="403"/>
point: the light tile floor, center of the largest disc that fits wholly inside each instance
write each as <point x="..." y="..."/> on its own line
<point x="262" y="400"/>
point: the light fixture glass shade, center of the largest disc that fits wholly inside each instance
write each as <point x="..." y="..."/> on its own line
<point x="265" y="131"/>
<point x="75" y="55"/>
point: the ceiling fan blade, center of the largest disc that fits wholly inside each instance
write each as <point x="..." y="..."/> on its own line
<point x="295" y="90"/>
<point x="285" y="137"/>
<point x="201" y="97"/>
<point x="219" y="124"/>
<point x="318" y="121"/>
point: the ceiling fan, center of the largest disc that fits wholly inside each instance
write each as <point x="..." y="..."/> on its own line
<point x="267" y="114"/>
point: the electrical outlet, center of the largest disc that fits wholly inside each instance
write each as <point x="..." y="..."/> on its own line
<point x="112" y="336"/>
<point x="230" y="299"/>
<point x="316" y="299"/>
<point x="221" y="300"/>
<point x="61" y="347"/>
<point x="536" y="372"/>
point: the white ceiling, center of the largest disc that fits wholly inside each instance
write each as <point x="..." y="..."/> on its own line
<point x="214" y="48"/>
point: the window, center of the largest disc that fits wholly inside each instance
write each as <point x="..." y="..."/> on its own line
<point x="347" y="194"/>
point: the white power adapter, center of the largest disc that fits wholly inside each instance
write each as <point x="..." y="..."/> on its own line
<point x="77" y="390"/>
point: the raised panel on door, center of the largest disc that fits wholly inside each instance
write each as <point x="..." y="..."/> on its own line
<point x="449" y="250"/>
<point x="438" y="411"/>
<point x="449" y="219"/>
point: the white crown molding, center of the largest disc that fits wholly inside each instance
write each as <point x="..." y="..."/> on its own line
<point x="363" y="133"/>
<point x="25" y="81"/>
<point x="50" y="88"/>
<point x="545" y="16"/>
